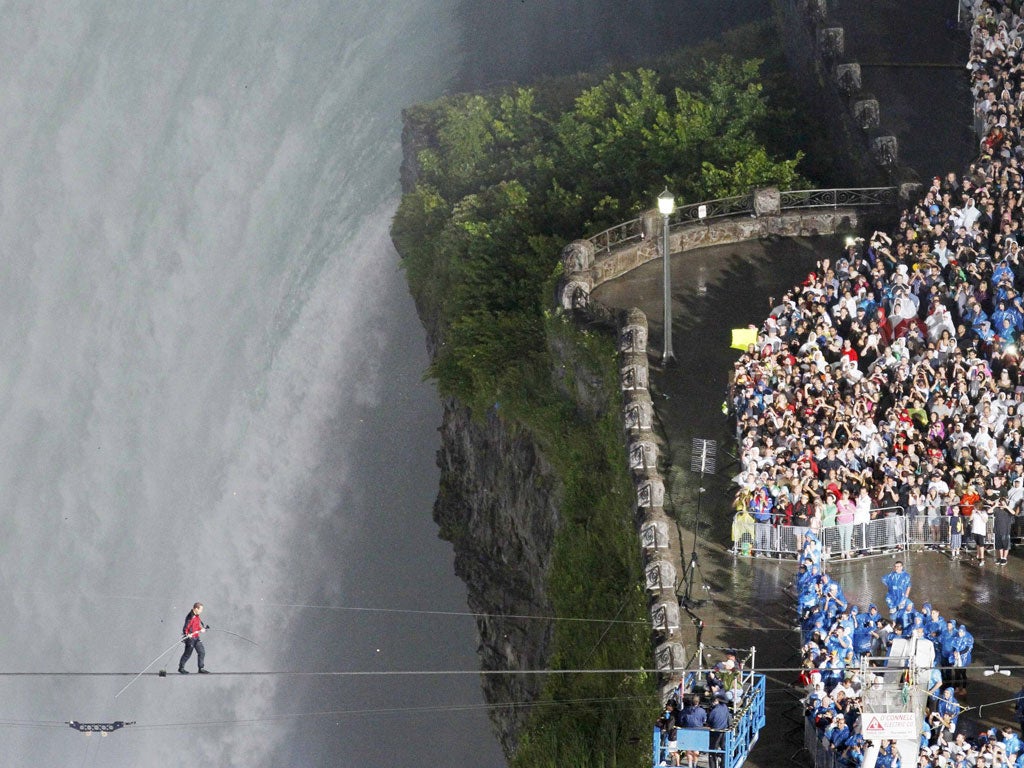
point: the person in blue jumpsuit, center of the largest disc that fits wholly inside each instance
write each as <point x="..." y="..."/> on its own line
<point x="888" y="756"/>
<point x="916" y="623"/>
<point x="934" y="682"/>
<point x="847" y="619"/>
<point x="948" y="705"/>
<point x="905" y="613"/>
<point x="897" y="585"/>
<point x="833" y="601"/>
<point x="827" y="587"/>
<point x="838" y="734"/>
<point x="853" y="757"/>
<point x="862" y="641"/>
<point x="934" y="625"/>
<point x="1011" y="741"/>
<point x="840" y="643"/>
<point x="872" y="618"/>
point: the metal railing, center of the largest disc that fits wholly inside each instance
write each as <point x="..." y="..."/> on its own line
<point x="620" y="234"/>
<point x="836" y="198"/>
<point x="743" y="205"/>
<point x="881" y="534"/>
<point x="823" y="755"/>
<point x="894" y="532"/>
<point x="931" y="531"/>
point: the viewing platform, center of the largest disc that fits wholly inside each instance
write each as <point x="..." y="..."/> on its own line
<point x="746" y="720"/>
<point x="765" y="212"/>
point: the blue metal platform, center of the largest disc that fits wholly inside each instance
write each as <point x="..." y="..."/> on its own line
<point x="739" y="740"/>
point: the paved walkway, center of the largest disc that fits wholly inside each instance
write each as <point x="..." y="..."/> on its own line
<point x="928" y="109"/>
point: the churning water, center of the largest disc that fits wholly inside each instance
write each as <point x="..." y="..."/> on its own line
<point x="209" y="384"/>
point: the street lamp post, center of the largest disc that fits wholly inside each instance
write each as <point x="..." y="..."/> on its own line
<point x="666" y="205"/>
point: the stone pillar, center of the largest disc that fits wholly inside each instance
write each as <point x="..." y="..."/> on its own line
<point x="848" y="78"/>
<point x="650" y="223"/>
<point x="633" y="334"/>
<point x="634" y="373"/>
<point x="650" y="493"/>
<point x="638" y="414"/>
<point x="643" y="455"/>
<point x="575" y="293"/>
<point x="578" y="256"/>
<point x="767" y="201"/>
<point x="578" y="275"/>
<point x="660" y="575"/>
<point x="866" y="112"/>
<point x="665" y="617"/>
<point x="654" y="535"/>
<point x="670" y="658"/>
<point x="910" y="190"/>
<point x="885" y="151"/>
<point x="831" y="42"/>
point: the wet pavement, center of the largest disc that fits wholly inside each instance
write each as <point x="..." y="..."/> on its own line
<point x="714" y="290"/>
<point x="916" y="69"/>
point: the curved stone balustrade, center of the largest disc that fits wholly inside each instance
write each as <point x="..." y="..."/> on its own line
<point x="765" y="212"/>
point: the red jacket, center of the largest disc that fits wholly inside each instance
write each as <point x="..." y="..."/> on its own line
<point x="193" y="625"/>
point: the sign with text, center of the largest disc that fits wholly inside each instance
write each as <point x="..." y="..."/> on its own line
<point x="889" y="725"/>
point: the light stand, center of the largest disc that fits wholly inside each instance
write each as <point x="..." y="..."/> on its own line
<point x="666" y="206"/>
<point x="702" y="460"/>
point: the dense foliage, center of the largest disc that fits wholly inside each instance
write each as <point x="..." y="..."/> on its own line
<point x="504" y="180"/>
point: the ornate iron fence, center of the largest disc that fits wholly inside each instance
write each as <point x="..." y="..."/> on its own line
<point x="618" y="235"/>
<point x="836" y="198"/>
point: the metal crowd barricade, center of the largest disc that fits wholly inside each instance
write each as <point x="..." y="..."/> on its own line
<point x="882" y="534"/>
<point x="920" y="533"/>
<point x="821" y="752"/>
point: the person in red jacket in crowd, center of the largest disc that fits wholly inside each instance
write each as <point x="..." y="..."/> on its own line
<point x="192" y="630"/>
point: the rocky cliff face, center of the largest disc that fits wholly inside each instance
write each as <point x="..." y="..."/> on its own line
<point x="497" y="504"/>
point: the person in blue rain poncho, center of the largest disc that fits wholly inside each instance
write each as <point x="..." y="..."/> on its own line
<point x="897" y="585"/>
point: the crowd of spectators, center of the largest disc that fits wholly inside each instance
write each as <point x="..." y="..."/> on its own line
<point x="888" y="382"/>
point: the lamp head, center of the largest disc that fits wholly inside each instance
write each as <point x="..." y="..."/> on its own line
<point x="666" y="203"/>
